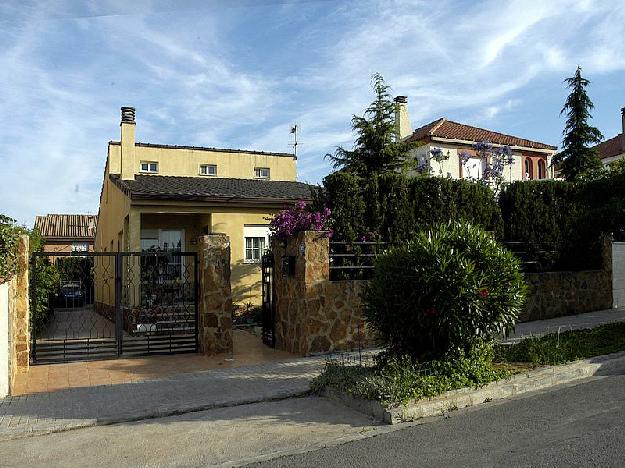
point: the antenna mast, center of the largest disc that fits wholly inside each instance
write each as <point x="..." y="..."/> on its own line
<point x="294" y="129"/>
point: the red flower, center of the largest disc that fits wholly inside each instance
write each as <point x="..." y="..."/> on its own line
<point x="431" y="312"/>
<point x="484" y="292"/>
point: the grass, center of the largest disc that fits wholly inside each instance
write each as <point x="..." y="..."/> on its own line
<point x="396" y="381"/>
<point x="565" y="347"/>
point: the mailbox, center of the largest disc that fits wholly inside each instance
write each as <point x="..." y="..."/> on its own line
<point x="288" y="265"/>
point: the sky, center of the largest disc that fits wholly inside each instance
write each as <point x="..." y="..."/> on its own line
<point x="240" y="73"/>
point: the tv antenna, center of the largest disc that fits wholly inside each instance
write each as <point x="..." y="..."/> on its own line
<point x="295" y="143"/>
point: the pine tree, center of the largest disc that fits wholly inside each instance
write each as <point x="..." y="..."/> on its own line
<point x="577" y="158"/>
<point x="377" y="148"/>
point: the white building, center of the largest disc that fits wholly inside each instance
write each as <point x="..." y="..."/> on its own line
<point x="531" y="159"/>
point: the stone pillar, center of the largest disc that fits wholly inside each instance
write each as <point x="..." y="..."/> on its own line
<point x="215" y="294"/>
<point x="300" y="296"/>
<point x="19" y="313"/>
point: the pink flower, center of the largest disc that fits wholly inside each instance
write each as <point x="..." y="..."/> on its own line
<point x="484" y="292"/>
<point x="431" y="312"/>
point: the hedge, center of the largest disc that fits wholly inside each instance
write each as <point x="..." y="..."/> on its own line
<point x="393" y="207"/>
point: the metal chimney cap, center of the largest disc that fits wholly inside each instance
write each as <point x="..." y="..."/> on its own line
<point x="128" y="114"/>
<point x="401" y="99"/>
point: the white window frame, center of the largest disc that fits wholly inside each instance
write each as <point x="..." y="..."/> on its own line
<point x="149" y="169"/>
<point x="256" y="231"/>
<point x="204" y="170"/>
<point x="258" y="172"/>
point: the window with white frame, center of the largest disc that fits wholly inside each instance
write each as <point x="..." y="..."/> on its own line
<point x="261" y="172"/>
<point x="208" y="169"/>
<point x="150" y="167"/>
<point x="256" y="240"/>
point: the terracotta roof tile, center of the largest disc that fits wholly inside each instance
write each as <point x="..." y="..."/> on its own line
<point x="78" y="226"/>
<point x="443" y="128"/>
<point x="611" y="147"/>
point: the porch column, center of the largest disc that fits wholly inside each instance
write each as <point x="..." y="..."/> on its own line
<point x="215" y="294"/>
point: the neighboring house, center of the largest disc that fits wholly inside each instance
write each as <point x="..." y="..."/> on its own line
<point x="613" y="149"/>
<point x="67" y="232"/>
<point x="532" y="159"/>
<point x="164" y="197"/>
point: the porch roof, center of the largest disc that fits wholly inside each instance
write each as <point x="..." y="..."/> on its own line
<point x="156" y="187"/>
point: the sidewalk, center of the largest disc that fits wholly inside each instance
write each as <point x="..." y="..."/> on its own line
<point x="562" y="324"/>
<point x="89" y="406"/>
<point x="72" y="408"/>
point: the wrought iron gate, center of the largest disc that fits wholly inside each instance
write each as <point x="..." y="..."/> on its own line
<point x="268" y="312"/>
<point x="100" y="305"/>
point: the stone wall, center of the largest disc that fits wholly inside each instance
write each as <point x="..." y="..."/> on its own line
<point x="557" y="293"/>
<point x="618" y="274"/>
<point x="215" y="294"/>
<point x="314" y="314"/>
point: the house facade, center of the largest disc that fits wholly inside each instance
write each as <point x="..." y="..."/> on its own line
<point x="453" y="140"/>
<point x="67" y="232"/>
<point x="613" y="149"/>
<point x="162" y="197"/>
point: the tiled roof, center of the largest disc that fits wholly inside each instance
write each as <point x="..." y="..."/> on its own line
<point x="449" y="129"/>
<point x="208" y="148"/>
<point x="213" y="189"/>
<point x="611" y="147"/>
<point x="66" y="226"/>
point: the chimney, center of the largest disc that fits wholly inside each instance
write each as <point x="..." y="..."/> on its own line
<point x="128" y="160"/>
<point x="623" y="129"/>
<point x="401" y="117"/>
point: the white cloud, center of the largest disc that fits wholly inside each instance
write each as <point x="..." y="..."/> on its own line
<point x="216" y="75"/>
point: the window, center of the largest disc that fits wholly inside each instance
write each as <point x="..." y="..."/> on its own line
<point x="529" y="169"/>
<point x="149" y="166"/>
<point x="208" y="169"/>
<point x="261" y="172"/>
<point x="256" y="239"/>
<point x="541" y="169"/>
<point x="254" y="248"/>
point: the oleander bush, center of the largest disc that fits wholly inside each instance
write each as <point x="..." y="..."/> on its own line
<point x="442" y="290"/>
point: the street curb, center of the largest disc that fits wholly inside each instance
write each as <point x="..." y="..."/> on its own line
<point x="539" y="379"/>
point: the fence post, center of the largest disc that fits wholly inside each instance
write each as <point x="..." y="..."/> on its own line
<point x="215" y="299"/>
<point x="19" y="313"/>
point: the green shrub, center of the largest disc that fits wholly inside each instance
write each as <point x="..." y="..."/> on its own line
<point x="440" y="291"/>
<point x="9" y="236"/>
<point x="549" y="216"/>
<point x="392" y="207"/>
<point x="46" y="283"/>
<point x="559" y="348"/>
<point x="397" y="380"/>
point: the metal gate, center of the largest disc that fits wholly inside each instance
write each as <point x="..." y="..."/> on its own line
<point x="101" y="305"/>
<point x="268" y="312"/>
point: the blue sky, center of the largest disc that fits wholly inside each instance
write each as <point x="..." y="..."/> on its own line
<point x="239" y="73"/>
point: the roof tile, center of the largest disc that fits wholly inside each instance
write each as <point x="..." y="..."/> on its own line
<point x="212" y="189"/>
<point x="449" y="129"/>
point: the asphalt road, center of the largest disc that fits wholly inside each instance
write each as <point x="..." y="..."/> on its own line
<point x="581" y="425"/>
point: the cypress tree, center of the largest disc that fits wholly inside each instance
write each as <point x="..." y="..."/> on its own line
<point x="377" y="148"/>
<point x="577" y="159"/>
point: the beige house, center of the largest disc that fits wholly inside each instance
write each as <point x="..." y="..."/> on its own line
<point x="613" y="149"/>
<point x="163" y="197"/>
<point x="67" y="232"/>
<point x="532" y="159"/>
